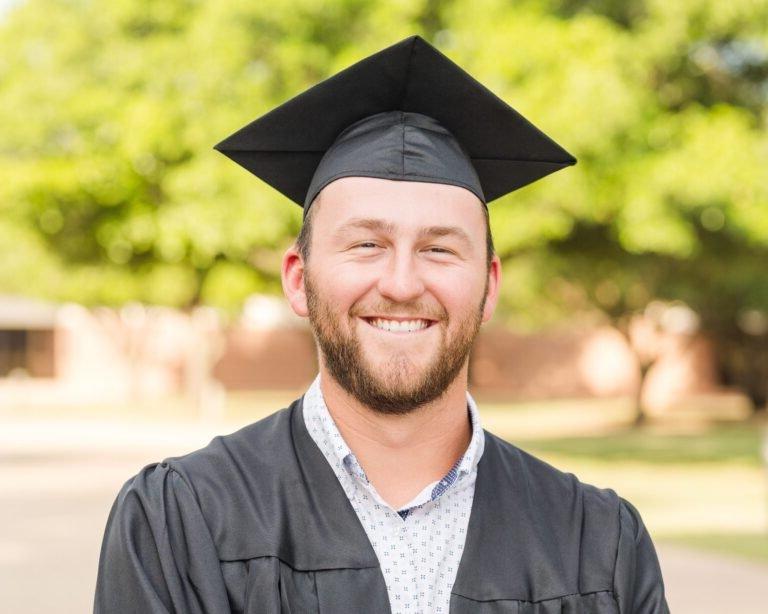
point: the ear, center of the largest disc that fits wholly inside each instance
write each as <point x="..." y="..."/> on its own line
<point x="292" y="276"/>
<point x="494" y="282"/>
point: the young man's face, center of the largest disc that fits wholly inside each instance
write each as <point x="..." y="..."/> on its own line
<point x="396" y="287"/>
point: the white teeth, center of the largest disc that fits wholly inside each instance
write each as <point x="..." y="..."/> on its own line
<point x="395" y="326"/>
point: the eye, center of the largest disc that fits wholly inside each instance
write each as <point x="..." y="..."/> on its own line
<point x="439" y="250"/>
<point x="366" y="244"/>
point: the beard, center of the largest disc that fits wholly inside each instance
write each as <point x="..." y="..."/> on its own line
<point x="398" y="387"/>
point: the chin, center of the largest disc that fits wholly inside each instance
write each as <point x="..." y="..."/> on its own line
<point x="400" y="363"/>
<point x="401" y="380"/>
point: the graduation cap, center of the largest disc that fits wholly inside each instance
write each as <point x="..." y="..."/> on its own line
<point x="406" y="112"/>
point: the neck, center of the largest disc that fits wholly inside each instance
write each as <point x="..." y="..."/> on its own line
<point x="401" y="454"/>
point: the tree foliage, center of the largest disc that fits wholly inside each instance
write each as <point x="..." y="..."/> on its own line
<point x="664" y="104"/>
<point x="110" y="190"/>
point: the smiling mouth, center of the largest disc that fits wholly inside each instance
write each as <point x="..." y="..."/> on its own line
<point x="400" y="326"/>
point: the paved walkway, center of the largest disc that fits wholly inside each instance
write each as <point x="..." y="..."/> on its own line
<point x="58" y="480"/>
<point x="702" y="583"/>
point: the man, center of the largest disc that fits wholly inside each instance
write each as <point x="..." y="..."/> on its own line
<point x="378" y="490"/>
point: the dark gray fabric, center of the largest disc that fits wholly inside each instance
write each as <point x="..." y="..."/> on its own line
<point x="256" y="522"/>
<point x="396" y="145"/>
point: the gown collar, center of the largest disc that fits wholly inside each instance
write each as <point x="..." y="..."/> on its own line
<point x="528" y="536"/>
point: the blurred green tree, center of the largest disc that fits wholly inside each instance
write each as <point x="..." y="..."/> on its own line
<point x="664" y="104"/>
<point x="109" y="187"/>
<point x="110" y="190"/>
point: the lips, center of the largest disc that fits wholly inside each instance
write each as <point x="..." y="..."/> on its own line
<point x="400" y="325"/>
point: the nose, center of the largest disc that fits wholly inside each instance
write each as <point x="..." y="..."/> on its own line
<point x="400" y="280"/>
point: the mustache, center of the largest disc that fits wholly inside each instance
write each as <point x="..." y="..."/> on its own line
<point x="417" y="310"/>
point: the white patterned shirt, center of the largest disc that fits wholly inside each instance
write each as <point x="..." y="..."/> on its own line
<point x="418" y="546"/>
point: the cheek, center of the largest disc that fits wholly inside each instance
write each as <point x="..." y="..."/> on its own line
<point x="343" y="287"/>
<point x="463" y="294"/>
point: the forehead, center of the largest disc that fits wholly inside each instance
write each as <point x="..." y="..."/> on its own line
<point x="402" y="204"/>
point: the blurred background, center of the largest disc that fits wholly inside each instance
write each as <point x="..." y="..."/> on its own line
<point x="140" y="304"/>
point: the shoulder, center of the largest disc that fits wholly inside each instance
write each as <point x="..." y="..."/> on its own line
<point x="566" y="536"/>
<point x="231" y="467"/>
<point x="560" y="488"/>
<point x="253" y="444"/>
<point x="638" y="580"/>
<point x="260" y="444"/>
<point x="568" y="515"/>
<point x="602" y="529"/>
<point x="220" y="480"/>
<point x="546" y="483"/>
<point x="632" y="524"/>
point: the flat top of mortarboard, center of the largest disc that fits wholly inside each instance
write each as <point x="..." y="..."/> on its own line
<point x="285" y="146"/>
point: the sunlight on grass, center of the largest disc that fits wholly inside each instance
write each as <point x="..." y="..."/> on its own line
<point x="723" y="444"/>
<point x="751" y="546"/>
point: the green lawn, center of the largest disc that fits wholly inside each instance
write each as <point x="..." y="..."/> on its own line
<point x="750" y="546"/>
<point x="723" y="444"/>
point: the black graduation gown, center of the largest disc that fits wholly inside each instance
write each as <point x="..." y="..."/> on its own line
<point x="256" y="522"/>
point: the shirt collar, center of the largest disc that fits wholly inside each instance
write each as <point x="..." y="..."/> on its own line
<point x="336" y="450"/>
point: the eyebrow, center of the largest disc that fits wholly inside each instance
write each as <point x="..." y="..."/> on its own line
<point x="380" y="225"/>
<point x="365" y="223"/>
<point x="446" y="231"/>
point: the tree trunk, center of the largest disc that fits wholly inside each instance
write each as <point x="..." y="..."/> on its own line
<point x="743" y="364"/>
<point x="640" y="416"/>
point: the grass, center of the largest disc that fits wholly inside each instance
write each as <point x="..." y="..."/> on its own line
<point x="717" y="444"/>
<point x="751" y="546"/>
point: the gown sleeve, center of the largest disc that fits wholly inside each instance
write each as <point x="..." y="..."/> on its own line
<point x="158" y="556"/>
<point x="638" y="582"/>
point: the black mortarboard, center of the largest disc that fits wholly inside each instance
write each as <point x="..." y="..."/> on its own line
<point x="407" y="113"/>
